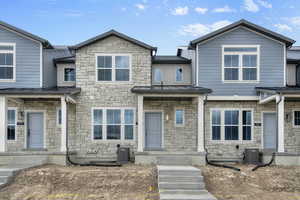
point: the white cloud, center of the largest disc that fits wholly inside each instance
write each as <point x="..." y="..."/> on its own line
<point x="73" y="13"/>
<point x="294" y="20"/>
<point x="225" y="9"/>
<point x="201" y="10"/>
<point x="140" y="6"/>
<point x="202" y="29"/>
<point x="264" y="4"/>
<point x="180" y="11"/>
<point x="251" y="6"/>
<point x="283" y="27"/>
<point x="123" y="9"/>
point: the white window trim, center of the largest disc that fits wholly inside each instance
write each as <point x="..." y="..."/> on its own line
<point x="16" y="123"/>
<point x="57" y="117"/>
<point x="14" y="61"/>
<point x="68" y="67"/>
<point x="177" y="68"/>
<point x="104" y="124"/>
<point x="183" y="117"/>
<point x="113" y="68"/>
<point x="293" y="119"/>
<point x="240" y="72"/>
<point x="222" y="125"/>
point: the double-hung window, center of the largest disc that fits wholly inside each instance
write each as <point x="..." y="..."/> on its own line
<point x="179" y="117"/>
<point x="113" y="67"/>
<point x="11" y="124"/>
<point x="296" y="118"/>
<point x="7" y="62"/>
<point x="158" y="76"/>
<point x="241" y="63"/>
<point x="179" y="74"/>
<point x="231" y="124"/>
<point x="69" y="74"/>
<point x="113" y="123"/>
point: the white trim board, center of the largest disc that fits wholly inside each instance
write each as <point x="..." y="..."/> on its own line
<point x="233" y="98"/>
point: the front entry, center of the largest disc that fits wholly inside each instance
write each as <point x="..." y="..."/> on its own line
<point x="153" y="130"/>
<point x="35" y="130"/>
<point x="270" y="131"/>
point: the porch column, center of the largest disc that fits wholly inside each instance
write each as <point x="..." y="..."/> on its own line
<point x="280" y="122"/>
<point x="3" y="122"/>
<point x="200" y="124"/>
<point x="64" y="125"/>
<point x="140" y="124"/>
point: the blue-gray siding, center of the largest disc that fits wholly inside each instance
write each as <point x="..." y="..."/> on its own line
<point x="210" y="63"/>
<point x="27" y="60"/>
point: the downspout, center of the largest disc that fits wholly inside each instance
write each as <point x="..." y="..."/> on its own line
<point x="204" y="104"/>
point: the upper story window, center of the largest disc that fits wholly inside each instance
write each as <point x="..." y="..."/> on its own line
<point x="241" y="63"/>
<point x="7" y="62"/>
<point x="69" y="74"/>
<point x="179" y="74"/>
<point x="157" y="75"/>
<point x="113" y="67"/>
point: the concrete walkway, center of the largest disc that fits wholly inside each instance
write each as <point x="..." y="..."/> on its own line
<point x="181" y="183"/>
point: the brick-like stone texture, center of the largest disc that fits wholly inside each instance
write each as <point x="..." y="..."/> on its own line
<point x="53" y="131"/>
<point x="180" y="139"/>
<point x="227" y="149"/>
<point x="99" y="94"/>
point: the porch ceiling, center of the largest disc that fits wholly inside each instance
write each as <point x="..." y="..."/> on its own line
<point x="171" y="89"/>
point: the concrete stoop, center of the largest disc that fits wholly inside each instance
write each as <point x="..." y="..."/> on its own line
<point x="181" y="183"/>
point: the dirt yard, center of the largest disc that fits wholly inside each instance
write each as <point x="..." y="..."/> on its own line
<point x="269" y="183"/>
<point x="51" y="182"/>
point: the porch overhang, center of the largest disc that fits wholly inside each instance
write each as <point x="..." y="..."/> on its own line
<point x="170" y="90"/>
<point x="40" y="91"/>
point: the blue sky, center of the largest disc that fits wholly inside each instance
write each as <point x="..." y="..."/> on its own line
<point x="165" y="24"/>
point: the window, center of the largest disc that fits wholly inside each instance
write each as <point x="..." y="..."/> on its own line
<point x="11" y="124"/>
<point x="179" y="75"/>
<point x="7" y="62"/>
<point x="296" y="118"/>
<point x="241" y="64"/>
<point x="179" y="117"/>
<point x="113" y="124"/>
<point x="69" y="74"/>
<point x="231" y="124"/>
<point x="157" y="75"/>
<point x="247" y="124"/>
<point x="58" y="116"/>
<point x="113" y="67"/>
<point x="216" y="125"/>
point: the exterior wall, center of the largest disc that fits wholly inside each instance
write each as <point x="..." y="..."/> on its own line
<point x="210" y="63"/>
<point x="180" y="139"/>
<point x="53" y="131"/>
<point x="60" y="75"/>
<point x="169" y="74"/>
<point x="99" y="94"/>
<point x="27" y="60"/>
<point x="291" y="74"/>
<point x="227" y="149"/>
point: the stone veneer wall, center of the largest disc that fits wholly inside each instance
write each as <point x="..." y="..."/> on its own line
<point x="101" y="94"/>
<point x="53" y="131"/>
<point x="228" y="148"/>
<point x="180" y="139"/>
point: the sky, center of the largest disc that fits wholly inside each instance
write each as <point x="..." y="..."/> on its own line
<point x="165" y="24"/>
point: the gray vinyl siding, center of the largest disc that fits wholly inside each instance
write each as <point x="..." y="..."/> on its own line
<point x="210" y="63"/>
<point x="27" y="60"/>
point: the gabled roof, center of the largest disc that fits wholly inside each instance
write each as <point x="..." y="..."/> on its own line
<point x="45" y="43"/>
<point x="113" y="33"/>
<point x="170" y="60"/>
<point x="247" y="24"/>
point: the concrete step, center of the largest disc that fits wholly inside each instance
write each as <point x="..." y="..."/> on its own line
<point x="179" y="173"/>
<point x="187" y="197"/>
<point x="187" y="192"/>
<point x="174" y="160"/>
<point x="4" y="179"/>
<point x="181" y="186"/>
<point x="165" y="178"/>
